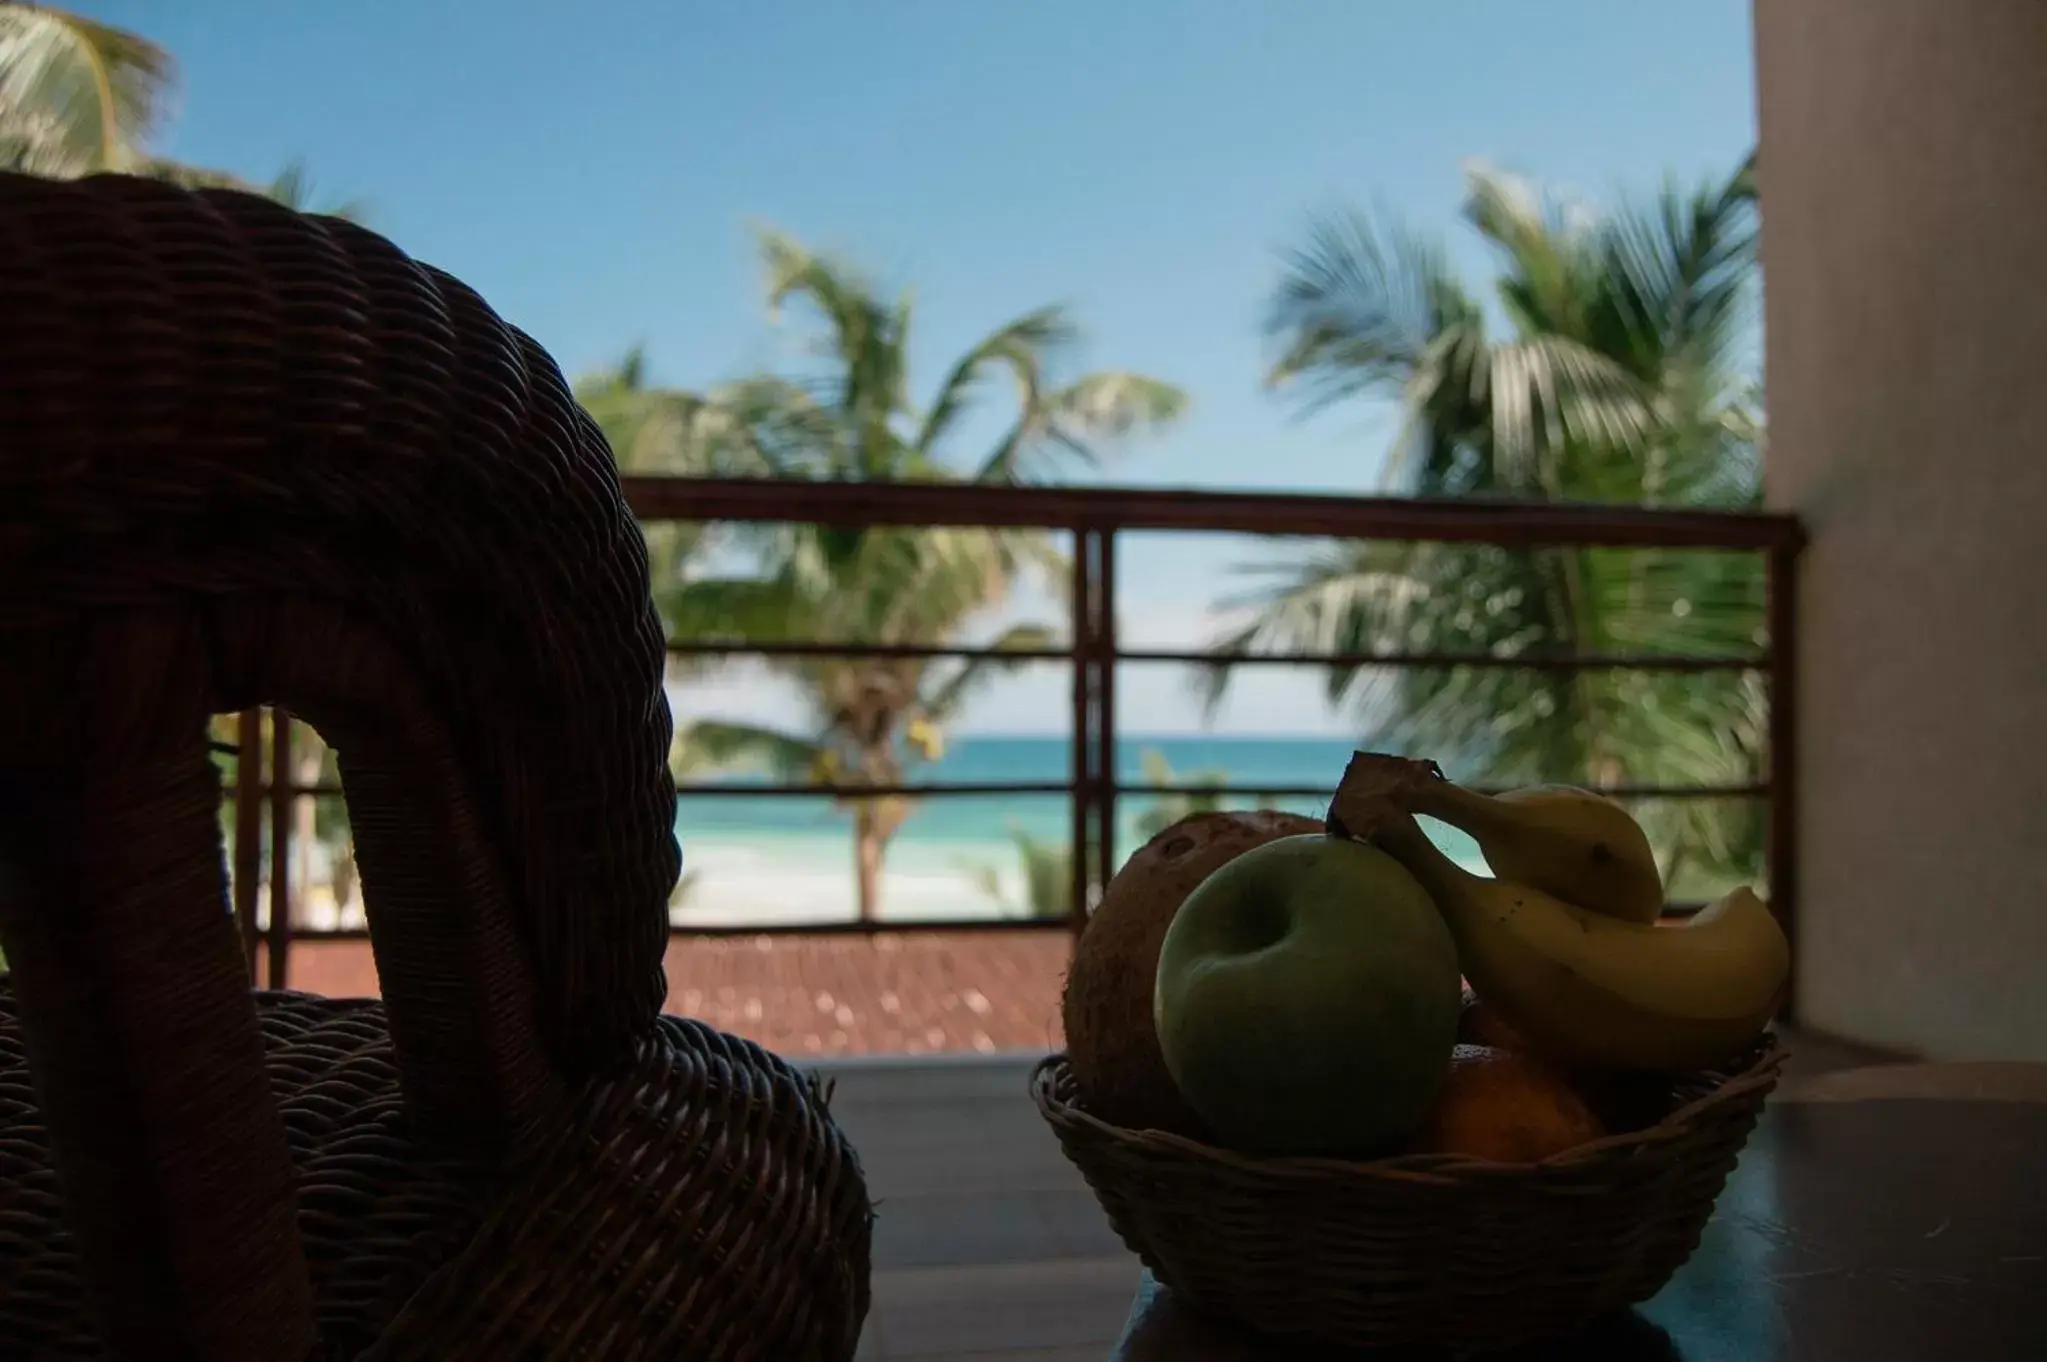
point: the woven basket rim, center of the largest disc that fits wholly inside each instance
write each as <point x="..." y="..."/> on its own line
<point x="1757" y="1070"/>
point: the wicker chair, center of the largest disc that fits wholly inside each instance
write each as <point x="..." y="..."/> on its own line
<point x="248" y="456"/>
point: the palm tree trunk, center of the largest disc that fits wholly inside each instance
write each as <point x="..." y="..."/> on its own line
<point x="867" y="849"/>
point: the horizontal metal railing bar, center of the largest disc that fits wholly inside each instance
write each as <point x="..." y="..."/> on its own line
<point x="833" y="927"/>
<point x="854" y="927"/>
<point x="722" y="648"/>
<point x="1661" y="662"/>
<point x="1619" y="791"/>
<point x="1658" y="662"/>
<point x="994" y="787"/>
<point x="906" y="791"/>
<point x="1461" y="520"/>
<point x="327" y="789"/>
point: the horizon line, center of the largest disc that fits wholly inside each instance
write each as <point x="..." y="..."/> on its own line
<point x="1122" y="737"/>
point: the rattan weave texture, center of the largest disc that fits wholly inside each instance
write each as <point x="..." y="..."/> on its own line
<point x="1434" y="1251"/>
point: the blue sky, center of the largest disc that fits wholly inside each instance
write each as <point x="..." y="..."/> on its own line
<point x="1143" y="161"/>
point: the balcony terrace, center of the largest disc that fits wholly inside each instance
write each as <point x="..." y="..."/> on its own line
<point x="962" y="982"/>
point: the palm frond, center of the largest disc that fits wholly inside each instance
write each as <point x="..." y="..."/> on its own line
<point x="925" y="584"/>
<point x="1548" y="250"/>
<point x="1344" y="597"/>
<point x="947" y="693"/>
<point x="1114" y="405"/>
<point x="76" y="95"/>
<point x="863" y="340"/>
<point x="1549" y="391"/>
<point x="752" y="428"/>
<point x="770" y="426"/>
<point x="293" y="187"/>
<point x="747" y="609"/>
<point x="1359" y="307"/>
<point x="716" y="745"/>
<point x="1070" y="425"/>
<point x="1024" y="347"/>
<point x="1680" y="274"/>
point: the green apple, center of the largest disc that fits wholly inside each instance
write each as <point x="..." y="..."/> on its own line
<point x="1307" y="999"/>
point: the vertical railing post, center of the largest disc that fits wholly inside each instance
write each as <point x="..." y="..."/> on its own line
<point x="1083" y="641"/>
<point x="248" y="828"/>
<point x="1782" y="589"/>
<point x="1105" y="702"/>
<point x="278" y="939"/>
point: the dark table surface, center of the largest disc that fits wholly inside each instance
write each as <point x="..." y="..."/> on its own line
<point x="1869" y="1231"/>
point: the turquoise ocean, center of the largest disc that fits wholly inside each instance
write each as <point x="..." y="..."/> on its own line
<point x="781" y="860"/>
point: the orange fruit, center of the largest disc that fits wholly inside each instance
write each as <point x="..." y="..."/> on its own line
<point x="1506" y="1107"/>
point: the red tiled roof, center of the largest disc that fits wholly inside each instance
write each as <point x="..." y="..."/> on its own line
<point x="888" y="993"/>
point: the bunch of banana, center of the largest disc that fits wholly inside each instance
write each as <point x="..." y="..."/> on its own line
<point x="1579" y="846"/>
<point x="1564" y="942"/>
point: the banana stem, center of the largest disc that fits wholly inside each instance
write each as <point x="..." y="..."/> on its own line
<point x="1455" y="805"/>
<point x="1375" y="789"/>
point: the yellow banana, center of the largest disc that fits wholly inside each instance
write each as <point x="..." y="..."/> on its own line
<point x="1582" y="847"/>
<point x="1592" y="990"/>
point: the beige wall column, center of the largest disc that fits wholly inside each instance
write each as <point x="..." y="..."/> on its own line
<point x="1903" y="176"/>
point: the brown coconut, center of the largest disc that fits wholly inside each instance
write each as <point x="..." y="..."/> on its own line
<point x="1110" y="1040"/>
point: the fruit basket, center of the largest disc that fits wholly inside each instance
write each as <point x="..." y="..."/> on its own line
<point x="1430" y="1249"/>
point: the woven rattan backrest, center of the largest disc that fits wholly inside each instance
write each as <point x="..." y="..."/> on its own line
<point x="251" y="456"/>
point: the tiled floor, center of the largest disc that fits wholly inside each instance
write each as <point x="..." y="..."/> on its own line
<point x="987" y="1244"/>
<point x="896" y="993"/>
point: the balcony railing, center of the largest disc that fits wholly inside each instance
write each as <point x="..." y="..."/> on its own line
<point x="1095" y="518"/>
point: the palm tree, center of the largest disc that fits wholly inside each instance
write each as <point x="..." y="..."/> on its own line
<point x="78" y="97"/>
<point x="850" y="417"/>
<point x="1621" y="375"/>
